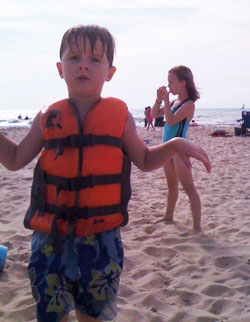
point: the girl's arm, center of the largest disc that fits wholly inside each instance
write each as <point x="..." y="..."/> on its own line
<point x="15" y="156"/>
<point x="148" y="159"/>
<point x="157" y="110"/>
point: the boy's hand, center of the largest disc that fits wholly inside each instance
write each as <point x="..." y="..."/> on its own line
<point x="186" y="150"/>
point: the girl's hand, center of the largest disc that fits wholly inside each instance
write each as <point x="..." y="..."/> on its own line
<point x="162" y="94"/>
<point x="166" y="97"/>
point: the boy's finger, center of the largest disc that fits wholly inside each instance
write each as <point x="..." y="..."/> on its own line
<point x="208" y="166"/>
<point x="206" y="163"/>
<point x="187" y="162"/>
<point x="203" y="157"/>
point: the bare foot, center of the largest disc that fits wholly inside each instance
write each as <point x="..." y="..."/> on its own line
<point x="197" y="231"/>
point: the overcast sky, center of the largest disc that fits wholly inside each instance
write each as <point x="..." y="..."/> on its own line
<point x="212" y="37"/>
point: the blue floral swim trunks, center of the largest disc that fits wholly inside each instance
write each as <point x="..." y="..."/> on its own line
<point x="84" y="277"/>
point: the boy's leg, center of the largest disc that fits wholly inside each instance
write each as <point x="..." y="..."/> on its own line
<point x="65" y="318"/>
<point x="88" y="270"/>
<point x="100" y="262"/>
<point x="50" y="288"/>
<point x="84" y="318"/>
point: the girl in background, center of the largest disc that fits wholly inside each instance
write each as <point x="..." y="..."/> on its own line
<point x="178" y="114"/>
<point x="149" y="118"/>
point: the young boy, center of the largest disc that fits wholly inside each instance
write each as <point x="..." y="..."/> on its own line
<point x="81" y="184"/>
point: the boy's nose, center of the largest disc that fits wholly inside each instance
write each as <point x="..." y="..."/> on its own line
<point x="85" y="67"/>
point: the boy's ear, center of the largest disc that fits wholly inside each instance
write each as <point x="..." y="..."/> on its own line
<point x="112" y="70"/>
<point x="59" y="68"/>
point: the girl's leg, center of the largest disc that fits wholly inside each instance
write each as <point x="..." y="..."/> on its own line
<point x="152" y="126"/>
<point x="172" y="196"/>
<point x="186" y="179"/>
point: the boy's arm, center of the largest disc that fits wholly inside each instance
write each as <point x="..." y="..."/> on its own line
<point x="148" y="159"/>
<point x="15" y="156"/>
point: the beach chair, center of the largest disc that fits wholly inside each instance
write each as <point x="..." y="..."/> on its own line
<point x="244" y="124"/>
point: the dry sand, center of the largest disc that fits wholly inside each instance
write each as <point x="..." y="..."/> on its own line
<point x="169" y="274"/>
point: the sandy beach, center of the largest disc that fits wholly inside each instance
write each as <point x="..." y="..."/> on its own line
<point x="169" y="273"/>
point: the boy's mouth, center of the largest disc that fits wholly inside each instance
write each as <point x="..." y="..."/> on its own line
<point x="82" y="77"/>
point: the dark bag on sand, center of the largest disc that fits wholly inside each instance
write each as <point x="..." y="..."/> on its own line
<point x="238" y="131"/>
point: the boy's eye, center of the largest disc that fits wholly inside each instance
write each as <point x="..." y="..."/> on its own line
<point x="73" y="57"/>
<point x="96" y="59"/>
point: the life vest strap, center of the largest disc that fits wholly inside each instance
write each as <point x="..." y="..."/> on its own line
<point x="80" y="140"/>
<point x="74" y="213"/>
<point x="75" y="184"/>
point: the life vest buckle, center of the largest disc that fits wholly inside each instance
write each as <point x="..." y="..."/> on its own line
<point x="72" y="141"/>
<point x="90" y="140"/>
<point x="74" y="184"/>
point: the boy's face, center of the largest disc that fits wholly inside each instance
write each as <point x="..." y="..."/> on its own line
<point x="84" y="71"/>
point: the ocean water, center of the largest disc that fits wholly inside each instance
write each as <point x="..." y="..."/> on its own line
<point x="210" y="117"/>
<point x="9" y="118"/>
<point x="204" y="116"/>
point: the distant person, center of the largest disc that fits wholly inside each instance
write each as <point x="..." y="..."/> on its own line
<point x="19" y="117"/>
<point x="178" y="114"/>
<point x="159" y="121"/>
<point x="193" y="123"/>
<point x="81" y="183"/>
<point x="147" y="113"/>
<point x="145" y="119"/>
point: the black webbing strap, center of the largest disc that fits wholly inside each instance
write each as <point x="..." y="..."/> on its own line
<point x="78" y="183"/>
<point x="125" y="188"/>
<point x="80" y="140"/>
<point x="74" y="213"/>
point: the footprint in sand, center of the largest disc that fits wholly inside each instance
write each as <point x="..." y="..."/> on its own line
<point x="189" y="298"/>
<point x="223" y="305"/>
<point x="217" y="290"/>
<point x="150" y="230"/>
<point x="160" y="251"/>
<point x="226" y="261"/>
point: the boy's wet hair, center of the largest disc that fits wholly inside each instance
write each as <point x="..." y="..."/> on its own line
<point x="93" y="33"/>
<point x="184" y="73"/>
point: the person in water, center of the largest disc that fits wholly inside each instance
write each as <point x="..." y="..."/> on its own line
<point x="178" y="114"/>
<point x="81" y="183"/>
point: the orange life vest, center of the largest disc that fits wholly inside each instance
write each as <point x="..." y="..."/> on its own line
<point x="81" y="182"/>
